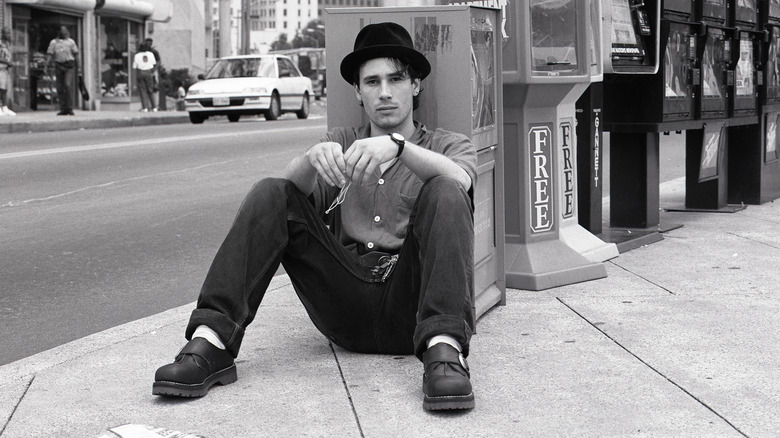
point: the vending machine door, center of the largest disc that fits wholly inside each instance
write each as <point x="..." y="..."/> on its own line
<point x="715" y="59"/>
<point x="770" y="91"/>
<point x="714" y="11"/>
<point x="746" y="13"/>
<point x="555" y="30"/>
<point x="745" y="88"/>
<point x="631" y="37"/>
<point x="679" y="71"/>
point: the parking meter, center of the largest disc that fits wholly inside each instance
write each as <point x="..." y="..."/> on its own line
<point x="546" y="67"/>
<point x="462" y="94"/>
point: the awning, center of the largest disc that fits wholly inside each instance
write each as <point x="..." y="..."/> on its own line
<point x="78" y="6"/>
<point x="124" y="8"/>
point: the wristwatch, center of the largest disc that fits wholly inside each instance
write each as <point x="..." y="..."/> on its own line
<point x="400" y="141"/>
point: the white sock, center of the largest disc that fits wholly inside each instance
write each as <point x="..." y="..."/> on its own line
<point x="447" y="339"/>
<point x="205" y="332"/>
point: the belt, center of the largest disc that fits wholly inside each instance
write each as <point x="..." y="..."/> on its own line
<point x="380" y="264"/>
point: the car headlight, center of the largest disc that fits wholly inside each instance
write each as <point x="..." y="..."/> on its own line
<point x="194" y="92"/>
<point x="256" y="90"/>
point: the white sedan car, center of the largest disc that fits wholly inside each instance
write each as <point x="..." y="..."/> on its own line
<point x="250" y="85"/>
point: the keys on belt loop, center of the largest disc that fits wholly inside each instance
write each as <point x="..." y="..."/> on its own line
<point x="386" y="263"/>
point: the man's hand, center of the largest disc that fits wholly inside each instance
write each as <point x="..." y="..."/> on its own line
<point x="365" y="156"/>
<point x="328" y="159"/>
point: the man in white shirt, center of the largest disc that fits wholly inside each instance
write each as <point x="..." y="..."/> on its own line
<point x="144" y="65"/>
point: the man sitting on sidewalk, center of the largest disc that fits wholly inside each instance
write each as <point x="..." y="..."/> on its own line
<point x="374" y="226"/>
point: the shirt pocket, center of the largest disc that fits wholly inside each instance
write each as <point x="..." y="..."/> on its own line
<point x="407" y="197"/>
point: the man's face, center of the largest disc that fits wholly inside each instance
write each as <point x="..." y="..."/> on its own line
<point x="64" y="32"/>
<point x="386" y="93"/>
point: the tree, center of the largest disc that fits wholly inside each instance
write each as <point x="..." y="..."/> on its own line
<point x="281" y="43"/>
<point x="314" y="33"/>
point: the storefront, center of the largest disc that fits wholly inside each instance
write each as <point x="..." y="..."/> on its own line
<point x="119" y="31"/>
<point x="34" y="23"/>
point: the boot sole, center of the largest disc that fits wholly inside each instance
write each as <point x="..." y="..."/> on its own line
<point x="448" y="402"/>
<point x="175" y="389"/>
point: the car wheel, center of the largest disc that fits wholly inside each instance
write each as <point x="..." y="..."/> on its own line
<point x="197" y="118"/>
<point x="275" y="110"/>
<point x="234" y="117"/>
<point x="303" y="113"/>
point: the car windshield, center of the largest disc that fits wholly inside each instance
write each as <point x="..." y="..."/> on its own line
<point x="243" y="68"/>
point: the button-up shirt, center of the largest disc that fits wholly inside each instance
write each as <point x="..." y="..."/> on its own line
<point x="375" y="216"/>
<point x="63" y="50"/>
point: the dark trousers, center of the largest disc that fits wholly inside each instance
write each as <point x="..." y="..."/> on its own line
<point x="65" y="78"/>
<point x="429" y="292"/>
<point x="145" y="85"/>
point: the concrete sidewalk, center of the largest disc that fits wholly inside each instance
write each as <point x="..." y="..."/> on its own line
<point x="681" y="339"/>
<point x="46" y="121"/>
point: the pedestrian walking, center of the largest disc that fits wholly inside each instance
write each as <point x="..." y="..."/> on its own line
<point x="143" y="64"/>
<point x="5" y="72"/>
<point x="64" y="52"/>
<point x="374" y="225"/>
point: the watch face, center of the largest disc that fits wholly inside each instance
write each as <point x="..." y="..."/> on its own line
<point x="397" y="137"/>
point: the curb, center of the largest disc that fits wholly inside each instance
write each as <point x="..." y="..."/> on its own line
<point x="73" y="125"/>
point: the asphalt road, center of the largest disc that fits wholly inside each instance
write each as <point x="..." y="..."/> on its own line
<point x="102" y="227"/>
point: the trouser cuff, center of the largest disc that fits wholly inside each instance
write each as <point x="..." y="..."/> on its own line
<point x="441" y="325"/>
<point x="229" y="333"/>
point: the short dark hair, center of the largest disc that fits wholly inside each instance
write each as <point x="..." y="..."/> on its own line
<point x="402" y="65"/>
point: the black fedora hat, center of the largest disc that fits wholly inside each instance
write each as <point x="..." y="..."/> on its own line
<point x="383" y="40"/>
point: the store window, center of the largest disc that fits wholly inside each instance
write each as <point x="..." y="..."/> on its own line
<point x="118" y="41"/>
<point x="32" y="31"/>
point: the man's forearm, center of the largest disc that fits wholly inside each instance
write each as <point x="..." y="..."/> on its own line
<point x="427" y="164"/>
<point x="301" y="173"/>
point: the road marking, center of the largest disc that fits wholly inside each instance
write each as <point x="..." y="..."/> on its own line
<point x="124" y="144"/>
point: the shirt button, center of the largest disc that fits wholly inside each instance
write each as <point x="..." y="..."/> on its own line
<point x="377" y="218"/>
<point x="381" y="181"/>
<point x="370" y="245"/>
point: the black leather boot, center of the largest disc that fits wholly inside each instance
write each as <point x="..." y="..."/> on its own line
<point x="446" y="383"/>
<point x="198" y="366"/>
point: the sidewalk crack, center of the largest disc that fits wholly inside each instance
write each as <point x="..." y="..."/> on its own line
<point x="346" y="388"/>
<point x="655" y="370"/>
<point x="643" y="278"/>
<point x="13" y="411"/>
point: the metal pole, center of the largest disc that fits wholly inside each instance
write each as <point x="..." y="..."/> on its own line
<point x="225" y="48"/>
<point x="245" y="27"/>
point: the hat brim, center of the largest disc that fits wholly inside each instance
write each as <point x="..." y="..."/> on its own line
<point x="354" y="60"/>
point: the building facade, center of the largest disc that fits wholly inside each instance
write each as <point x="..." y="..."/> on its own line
<point x="108" y="34"/>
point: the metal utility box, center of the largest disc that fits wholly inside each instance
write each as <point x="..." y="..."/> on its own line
<point x="462" y="94"/>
